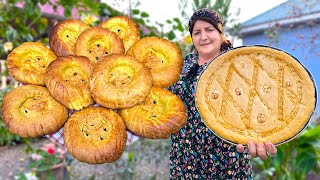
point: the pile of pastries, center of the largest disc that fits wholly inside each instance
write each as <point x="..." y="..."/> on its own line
<point x="97" y="83"/>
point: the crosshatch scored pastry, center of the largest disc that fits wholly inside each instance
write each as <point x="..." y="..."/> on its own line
<point x="162" y="57"/>
<point x="28" y="62"/>
<point x="125" y="28"/>
<point x="67" y="80"/>
<point x="97" y="42"/>
<point x="95" y="135"/>
<point x="162" y="114"/>
<point x="64" y="35"/>
<point x="120" y="81"/>
<point x="30" y="111"/>
<point x="256" y="93"/>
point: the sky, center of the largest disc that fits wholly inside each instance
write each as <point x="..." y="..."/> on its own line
<point x="162" y="10"/>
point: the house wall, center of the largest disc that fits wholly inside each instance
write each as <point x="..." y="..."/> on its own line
<point x="303" y="42"/>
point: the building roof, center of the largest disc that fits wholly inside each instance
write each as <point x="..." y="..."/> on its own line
<point x="291" y="11"/>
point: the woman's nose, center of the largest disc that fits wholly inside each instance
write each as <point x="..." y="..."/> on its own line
<point x="204" y="36"/>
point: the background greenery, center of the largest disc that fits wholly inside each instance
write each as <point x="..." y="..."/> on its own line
<point x="295" y="160"/>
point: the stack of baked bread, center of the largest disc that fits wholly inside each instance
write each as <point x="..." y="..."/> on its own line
<point x="98" y="83"/>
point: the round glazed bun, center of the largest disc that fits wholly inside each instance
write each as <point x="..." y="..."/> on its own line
<point x="67" y="80"/>
<point x="125" y="28"/>
<point x="28" y="62"/>
<point x="162" y="114"/>
<point x="30" y="111"/>
<point x="95" y="135"/>
<point x="64" y="35"/>
<point x="162" y="57"/>
<point x="120" y="81"/>
<point x="97" y="42"/>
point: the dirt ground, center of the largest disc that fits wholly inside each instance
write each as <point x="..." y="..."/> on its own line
<point x="150" y="161"/>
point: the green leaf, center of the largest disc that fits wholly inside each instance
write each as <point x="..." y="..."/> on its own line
<point x="305" y="161"/>
<point x="144" y="14"/>
<point x="135" y="11"/>
<point x="43" y="167"/>
<point x="177" y="20"/>
<point x="169" y="21"/>
<point x="67" y="12"/>
<point x="314" y="132"/>
<point x="171" y="35"/>
<point x="152" y="34"/>
<point x="130" y="156"/>
<point x="180" y="27"/>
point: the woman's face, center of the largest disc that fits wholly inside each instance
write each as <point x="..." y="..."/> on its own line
<point x="206" y="39"/>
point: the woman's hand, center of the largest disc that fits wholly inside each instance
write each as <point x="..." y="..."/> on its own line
<point x="259" y="150"/>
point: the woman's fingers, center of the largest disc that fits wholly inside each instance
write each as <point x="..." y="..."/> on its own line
<point x="240" y="148"/>
<point x="271" y="149"/>
<point x="261" y="151"/>
<point x="252" y="149"/>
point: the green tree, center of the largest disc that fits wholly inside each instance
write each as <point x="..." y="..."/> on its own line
<point x="22" y="21"/>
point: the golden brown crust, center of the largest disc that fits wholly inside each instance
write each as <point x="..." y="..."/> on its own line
<point x="255" y="93"/>
<point x="95" y="135"/>
<point x="67" y="80"/>
<point x="28" y="62"/>
<point x="97" y="43"/>
<point x="125" y="28"/>
<point x="161" y="115"/>
<point x="162" y="57"/>
<point x="30" y="111"/>
<point x="120" y="81"/>
<point x="64" y="35"/>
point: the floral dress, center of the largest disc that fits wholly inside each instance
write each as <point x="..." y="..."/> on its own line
<point x="196" y="152"/>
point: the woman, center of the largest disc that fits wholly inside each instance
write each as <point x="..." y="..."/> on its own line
<point x="196" y="152"/>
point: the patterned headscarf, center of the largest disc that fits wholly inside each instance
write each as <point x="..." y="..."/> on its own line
<point x="213" y="18"/>
<point x="206" y="14"/>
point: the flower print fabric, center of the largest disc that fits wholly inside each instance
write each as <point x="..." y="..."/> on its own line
<point x="196" y="152"/>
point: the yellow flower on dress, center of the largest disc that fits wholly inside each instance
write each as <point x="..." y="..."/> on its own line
<point x="89" y="19"/>
<point x="8" y="46"/>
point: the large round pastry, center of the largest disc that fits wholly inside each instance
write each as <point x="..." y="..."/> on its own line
<point x="30" y="111"/>
<point x="120" y="81"/>
<point x="162" y="57"/>
<point x="162" y="114"/>
<point x="125" y="28"/>
<point x="28" y="62"/>
<point x="256" y="93"/>
<point x="97" y="42"/>
<point x="95" y="135"/>
<point x="67" y="79"/>
<point x="64" y="35"/>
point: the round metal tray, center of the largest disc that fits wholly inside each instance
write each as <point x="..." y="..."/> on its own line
<point x="309" y="73"/>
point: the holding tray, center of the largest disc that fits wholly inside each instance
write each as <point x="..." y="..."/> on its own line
<point x="257" y="93"/>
